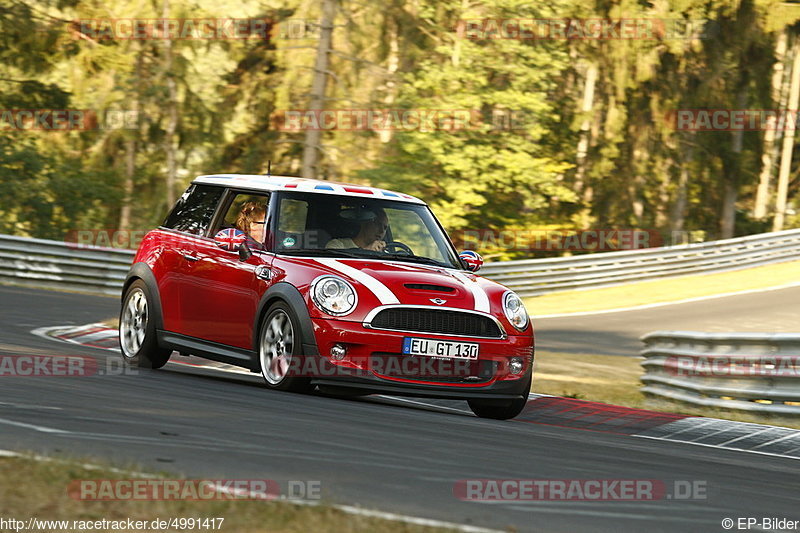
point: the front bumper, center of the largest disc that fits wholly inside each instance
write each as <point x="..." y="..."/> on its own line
<point x="489" y="376"/>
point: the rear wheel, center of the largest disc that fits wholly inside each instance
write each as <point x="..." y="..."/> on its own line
<point x="279" y="350"/>
<point x="137" y="329"/>
<point x="500" y="409"/>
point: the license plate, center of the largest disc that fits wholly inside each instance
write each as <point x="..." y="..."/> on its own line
<point x="438" y="348"/>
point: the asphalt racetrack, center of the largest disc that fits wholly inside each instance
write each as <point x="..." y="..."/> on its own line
<point x="618" y="333"/>
<point x="379" y="454"/>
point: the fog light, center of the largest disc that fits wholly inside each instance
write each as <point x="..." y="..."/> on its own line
<point x="338" y="352"/>
<point x="516" y="365"/>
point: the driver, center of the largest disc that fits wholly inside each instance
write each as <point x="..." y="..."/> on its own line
<point x="374" y="224"/>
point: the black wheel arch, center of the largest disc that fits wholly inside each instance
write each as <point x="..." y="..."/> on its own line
<point x="288" y="293"/>
<point x="142" y="271"/>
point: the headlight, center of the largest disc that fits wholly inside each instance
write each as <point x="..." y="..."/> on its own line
<point x="333" y="295"/>
<point x="515" y="311"/>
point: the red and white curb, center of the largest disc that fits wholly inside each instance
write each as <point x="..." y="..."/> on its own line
<point x="106" y="338"/>
<point x="93" y="335"/>
<point x="541" y="409"/>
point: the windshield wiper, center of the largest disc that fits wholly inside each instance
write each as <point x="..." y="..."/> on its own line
<point x="418" y="259"/>
<point x="336" y="252"/>
<point x="365" y="254"/>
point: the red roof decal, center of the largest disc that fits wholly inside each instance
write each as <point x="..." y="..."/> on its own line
<point x="358" y="190"/>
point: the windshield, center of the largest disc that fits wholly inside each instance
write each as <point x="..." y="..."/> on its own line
<point x="328" y="225"/>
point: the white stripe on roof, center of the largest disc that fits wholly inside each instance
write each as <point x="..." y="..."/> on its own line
<point x="275" y="183"/>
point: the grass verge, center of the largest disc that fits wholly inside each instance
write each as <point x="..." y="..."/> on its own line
<point x="615" y="380"/>
<point x="667" y="290"/>
<point x="35" y="488"/>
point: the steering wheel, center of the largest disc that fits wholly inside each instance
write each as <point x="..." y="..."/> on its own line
<point x="396" y="245"/>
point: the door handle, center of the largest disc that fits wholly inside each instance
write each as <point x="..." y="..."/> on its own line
<point x="263" y="272"/>
<point x="190" y="257"/>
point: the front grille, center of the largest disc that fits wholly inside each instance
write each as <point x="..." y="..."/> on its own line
<point x="436" y="321"/>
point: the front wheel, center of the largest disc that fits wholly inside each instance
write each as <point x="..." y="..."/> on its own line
<point x="137" y="329"/>
<point x="279" y="350"/>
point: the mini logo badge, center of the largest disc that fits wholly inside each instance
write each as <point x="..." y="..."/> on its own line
<point x="438" y="301"/>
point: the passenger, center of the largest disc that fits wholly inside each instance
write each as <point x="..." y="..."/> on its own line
<point x="251" y="221"/>
<point x="374" y="224"/>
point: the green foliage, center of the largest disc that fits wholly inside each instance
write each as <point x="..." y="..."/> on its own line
<point x="497" y="171"/>
<point x="514" y="164"/>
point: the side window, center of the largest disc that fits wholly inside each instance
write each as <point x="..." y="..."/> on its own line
<point x="293" y="215"/>
<point x="298" y="226"/>
<point x="193" y="211"/>
<point x="247" y="212"/>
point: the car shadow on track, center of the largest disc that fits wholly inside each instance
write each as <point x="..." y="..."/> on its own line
<point x="453" y="407"/>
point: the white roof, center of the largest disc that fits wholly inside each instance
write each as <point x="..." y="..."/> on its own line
<point x="288" y="183"/>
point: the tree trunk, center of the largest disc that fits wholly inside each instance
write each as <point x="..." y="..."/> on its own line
<point x="583" y="189"/>
<point x="583" y="141"/>
<point x="661" y="217"/>
<point x="678" y="215"/>
<point x="312" y="146"/>
<point x="637" y="204"/>
<point x="762" y="193"/>
<point x="728" y="219"/>
<point x="393" y="63"/>
<point x="788" y="141"/>
<point x="172" y="117"/>
<point x="130" y="151"/>
<point x="127" y="185"/>
<point x="732" y="178"/>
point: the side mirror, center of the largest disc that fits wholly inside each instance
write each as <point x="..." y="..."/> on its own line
<point x="230" y="239"/>
<point x="245" y="252"/>
<point x="472" y="261"/>
<point x="234" y="240"/>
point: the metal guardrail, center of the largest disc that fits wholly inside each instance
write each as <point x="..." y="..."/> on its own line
<point x="60" y="265"/>
<point x="532" y="277"/>
<point x="53" y="264"/>
<point x="756" y="372"/>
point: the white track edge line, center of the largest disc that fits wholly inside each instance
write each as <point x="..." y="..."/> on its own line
<point x="716" y="446"/>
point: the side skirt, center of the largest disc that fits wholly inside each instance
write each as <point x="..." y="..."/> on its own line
<point x="209" y="350"/>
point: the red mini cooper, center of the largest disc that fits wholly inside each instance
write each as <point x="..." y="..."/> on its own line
<point x="316" y="284"/>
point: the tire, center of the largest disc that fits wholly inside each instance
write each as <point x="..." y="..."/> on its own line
<point x="500" y="409"/>
<point x="137" y="329"/>
<point x="279" y="345"/>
